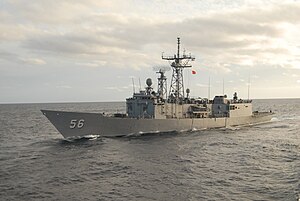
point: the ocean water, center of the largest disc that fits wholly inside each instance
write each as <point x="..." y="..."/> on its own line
<point x="253" y="163"/>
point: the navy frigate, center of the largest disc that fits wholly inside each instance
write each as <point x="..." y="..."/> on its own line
<point x="149" y="111"/>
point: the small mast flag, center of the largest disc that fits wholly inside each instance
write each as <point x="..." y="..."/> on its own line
<point x="194" y="72"/>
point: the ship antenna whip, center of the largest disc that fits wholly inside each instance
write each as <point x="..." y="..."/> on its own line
<point x="223" y="86"/>
<point x="133" y="85"/>
<point x="140" y="84"/>
<point x="249" y="87"/>
<point x="208" y="87"/>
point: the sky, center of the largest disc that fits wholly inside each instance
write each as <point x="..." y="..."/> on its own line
<point x="90" y="50"/>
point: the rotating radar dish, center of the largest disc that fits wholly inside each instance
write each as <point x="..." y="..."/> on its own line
<point x="161" y="68"/>
<point x="149" y="82"/>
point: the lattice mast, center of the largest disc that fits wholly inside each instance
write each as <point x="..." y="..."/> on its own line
<point x="180" y="62"/>
<point x="162" y="85"/>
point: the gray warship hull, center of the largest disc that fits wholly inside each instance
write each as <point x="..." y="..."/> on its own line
<point x="77" y="124"/>
<point x="149" y="111"/>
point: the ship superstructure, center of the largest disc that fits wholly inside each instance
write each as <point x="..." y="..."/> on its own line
<point x="150" y="104"/>
<point x="150" y="111"/>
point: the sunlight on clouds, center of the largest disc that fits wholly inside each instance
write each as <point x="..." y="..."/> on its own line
<point x="230" y="39"/>
<point x="246" y="41"/>
<point x="34" y="61"/>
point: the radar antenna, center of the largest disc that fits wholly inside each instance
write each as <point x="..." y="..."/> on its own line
<point x="178" y="63"/>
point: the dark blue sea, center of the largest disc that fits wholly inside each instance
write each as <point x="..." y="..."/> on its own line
<point x="253" y="163"/>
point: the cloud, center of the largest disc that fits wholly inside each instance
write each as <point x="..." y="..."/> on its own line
<point x="14" y="58"/>
<point x="93" y="64"/>
<point x="284" y="12"/>
<point x="33" y="61"/>
<point x="244" y="37"/>
<point x="4" y="55"/>
<point x="11" y="32"/>
<point x="226" y="37"/>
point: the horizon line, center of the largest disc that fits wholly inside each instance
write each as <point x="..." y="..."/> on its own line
<point x="114" y="101"/>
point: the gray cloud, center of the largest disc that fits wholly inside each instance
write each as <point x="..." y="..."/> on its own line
<point x="225" y="37"/>
<point x="116" y="34"/>
<point x="14" y="58"/>
<point x="7" y="55"/>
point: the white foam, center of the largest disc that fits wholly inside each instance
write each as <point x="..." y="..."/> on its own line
<point x="92" y="137"/>
<point x="274" y="119"/>
<point x="198" y="129"/>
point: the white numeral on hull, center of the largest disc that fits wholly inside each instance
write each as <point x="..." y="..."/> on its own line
<point x="76" y="123"/>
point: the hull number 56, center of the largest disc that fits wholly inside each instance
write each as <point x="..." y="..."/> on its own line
<point x="76" y="123"/>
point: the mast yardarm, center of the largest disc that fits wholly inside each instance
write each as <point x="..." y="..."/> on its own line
<point x="178" y="63"/>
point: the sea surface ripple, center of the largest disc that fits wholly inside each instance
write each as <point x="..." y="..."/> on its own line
<point x="251" y="163"/>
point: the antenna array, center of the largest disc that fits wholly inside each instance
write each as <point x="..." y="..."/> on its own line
<point x="178" y="63"/>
